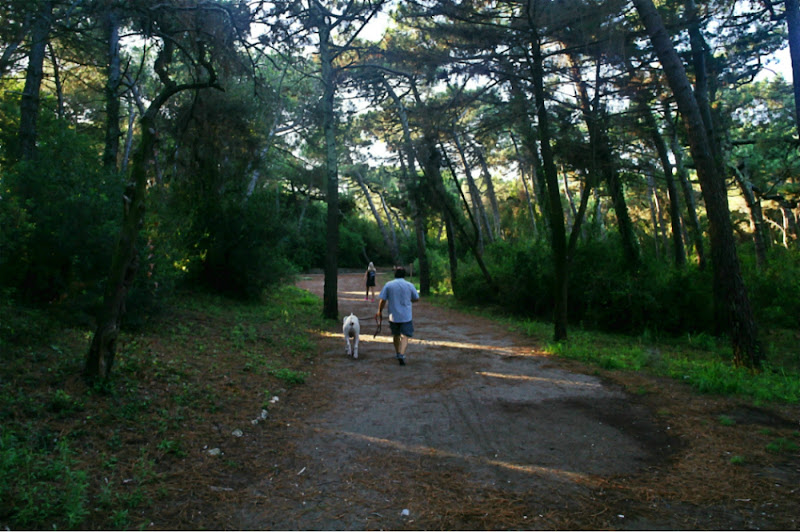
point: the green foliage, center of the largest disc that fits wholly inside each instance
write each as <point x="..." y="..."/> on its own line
<point x="603" y="293"/>
<point x="39" y="485"/>
<point x="59" y="216"/>
<point x="240" y="246"/>
<point x="726" y="421"/>
<point x="42" y="485"/>
<point x="775" y="291"/>
<point x="290" y="376"/>
<point x="782" y="445"/>
<point x="737" y="459"/>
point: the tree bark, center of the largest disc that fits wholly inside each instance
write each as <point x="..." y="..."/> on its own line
<point x="419" y="222"/>
<point x="125" y="261"/>
<point x="478" y="212"/>
<point x="330" y="301"/>
<point x="392" y="245"/>
<point x="730" y="293"/>
<point x="793" y="26"/>
<point x="688" y="193"/>
<point x="554" y="208"/>
<point x="113" y="82"/>
<point x="29" y="103"/>
<point x="603" y="164"/>
<point x="490" y="193"/>
<point x="756" y="217"/>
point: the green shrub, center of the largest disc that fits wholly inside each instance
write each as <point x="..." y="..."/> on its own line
<point x="39" y="486"/>
<point x="60" y="216"/>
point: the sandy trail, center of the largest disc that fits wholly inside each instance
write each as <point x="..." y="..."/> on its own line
<point x="477" y="431"/>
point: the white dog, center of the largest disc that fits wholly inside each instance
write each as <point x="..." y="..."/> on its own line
<point x="351" y="329"/>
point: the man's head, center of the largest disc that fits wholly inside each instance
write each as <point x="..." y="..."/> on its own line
<point x="399" y="272"/>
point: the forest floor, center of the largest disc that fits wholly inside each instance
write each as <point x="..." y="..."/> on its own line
<point x="480" y="430"/>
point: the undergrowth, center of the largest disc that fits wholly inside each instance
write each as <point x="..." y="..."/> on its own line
<point x="74" y="456"/>
<point x="703" y="361"/>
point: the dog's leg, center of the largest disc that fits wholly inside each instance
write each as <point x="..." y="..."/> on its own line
<point x="347" y="347"/>
<point x="355" y="348"/>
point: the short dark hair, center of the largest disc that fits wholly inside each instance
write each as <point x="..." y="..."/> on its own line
<point x="399" y="272"/>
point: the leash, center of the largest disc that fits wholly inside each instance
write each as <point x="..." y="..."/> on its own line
<point x="380" y="323"/>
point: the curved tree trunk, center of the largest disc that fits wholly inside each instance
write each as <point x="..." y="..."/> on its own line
<point x="125" y="261"/>
<point x="688" y="194"/>
<point x="756" y="218"/>
<point x="490" y="193"/>
<point x="478" y="212"/>
<point x="730" y="293"/>
<point x="391" y="244"/>
<point x="419" y="222"/>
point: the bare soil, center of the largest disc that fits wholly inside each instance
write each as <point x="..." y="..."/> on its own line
<point x="481" y="430"/>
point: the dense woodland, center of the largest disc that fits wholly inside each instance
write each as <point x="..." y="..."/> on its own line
<point x="624" y="166"/>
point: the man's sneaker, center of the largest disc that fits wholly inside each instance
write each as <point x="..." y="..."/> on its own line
<point x="402" y="361"/>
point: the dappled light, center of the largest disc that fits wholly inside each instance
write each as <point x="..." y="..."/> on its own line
<point x="424" y="450"/>
<point x="562" y="382"/>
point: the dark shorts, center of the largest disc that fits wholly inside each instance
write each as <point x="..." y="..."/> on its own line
<point x="406" y="328"/>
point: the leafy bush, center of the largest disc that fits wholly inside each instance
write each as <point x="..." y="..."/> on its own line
<point x="603" y="293"/>
<point x="39" y="486"/>
<point x="240" y="246"/>
<point x="775" y="291"/>
<point x="60" y="217"/>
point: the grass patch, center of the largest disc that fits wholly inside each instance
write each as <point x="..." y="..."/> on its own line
<point x="781" y="446"/>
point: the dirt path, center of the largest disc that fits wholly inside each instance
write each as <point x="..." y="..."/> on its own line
<point x="477" y="431"/>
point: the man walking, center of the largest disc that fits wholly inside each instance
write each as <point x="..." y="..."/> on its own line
<point x="399" y="294"/>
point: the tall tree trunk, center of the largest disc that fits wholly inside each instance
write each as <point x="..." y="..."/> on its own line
<point x="392" y="230"/>
<point x="730" y="293"/>
<point x="113" y="82"/>
<point x="659" y="234"/>
<point x="554" y="209"/>
<point x="29" y="103"/>
<point x="793" y="25"/>
<point x="603" y="163"/>
<point x="490" y="193"/>
<point x="433" y="173"/>
<point x="571" y="208"/>
<point x="128" y="138"/>
<point x="479" y="213"/>
<point x="330" y="301"/>
<point x="678" y="249"/>
<point x="419" y="222"/>
<point x="451" y="250"/>
<point x="125" y="261"/>
<point x="630" y="245"/>
<point x="528" y="197"/>
<point x="57" y="82"/>
<point x="384" y="232"/>
<point x="660" y="145"/>
<point x="688" y="192"/>
<point x="529" y="142"/>
<point x="756" y="217"/>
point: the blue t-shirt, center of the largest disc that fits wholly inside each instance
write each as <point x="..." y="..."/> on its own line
<point x="398" y="295"/>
